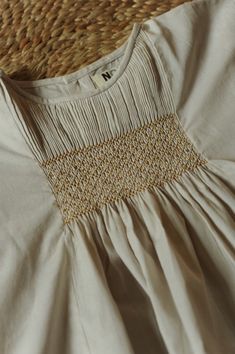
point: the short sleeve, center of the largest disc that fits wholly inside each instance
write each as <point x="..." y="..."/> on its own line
<point x="195" y="42"/>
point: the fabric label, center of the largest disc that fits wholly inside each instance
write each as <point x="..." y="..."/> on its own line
<point x="99" y="79"/>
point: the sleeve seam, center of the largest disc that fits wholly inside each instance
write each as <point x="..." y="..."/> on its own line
<point x="162" y="67"/>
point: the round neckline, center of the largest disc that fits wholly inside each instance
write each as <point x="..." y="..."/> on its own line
<point x="125" y="51"/>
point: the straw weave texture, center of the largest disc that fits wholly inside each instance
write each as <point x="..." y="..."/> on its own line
<point x="48" y="38"/>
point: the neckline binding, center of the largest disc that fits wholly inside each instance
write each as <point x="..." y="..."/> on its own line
<point x="125" y="50"/>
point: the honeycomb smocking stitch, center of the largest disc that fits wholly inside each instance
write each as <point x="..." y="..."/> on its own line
<point x="151" y="155"/>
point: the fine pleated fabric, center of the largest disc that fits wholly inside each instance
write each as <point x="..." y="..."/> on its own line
<point x="117" y="191"/>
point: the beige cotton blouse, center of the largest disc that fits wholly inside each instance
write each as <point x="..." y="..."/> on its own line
<point x="117" y="196"/>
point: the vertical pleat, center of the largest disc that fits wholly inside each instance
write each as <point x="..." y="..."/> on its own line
<point x="138" y="96"/>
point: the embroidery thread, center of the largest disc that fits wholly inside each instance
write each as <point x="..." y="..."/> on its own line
<point x="151" y="155"/>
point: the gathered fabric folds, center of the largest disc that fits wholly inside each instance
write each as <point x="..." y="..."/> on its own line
<point x="117" y="196"/>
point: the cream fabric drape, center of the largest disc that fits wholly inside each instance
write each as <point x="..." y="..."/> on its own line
<point x="149" y="267"/>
